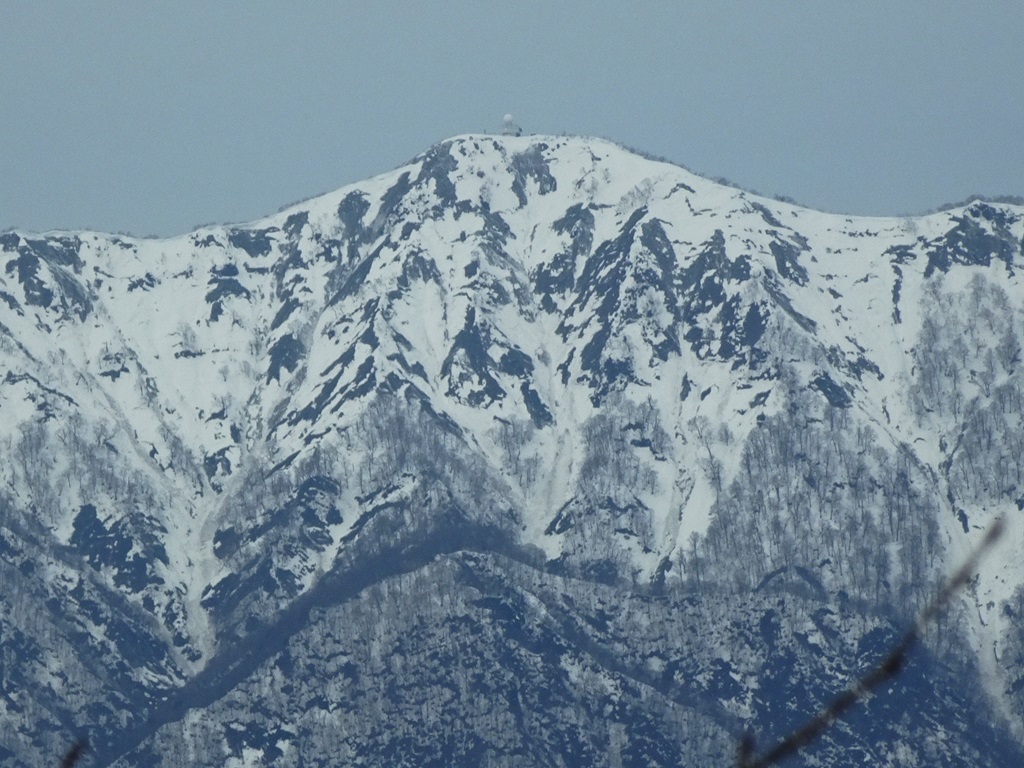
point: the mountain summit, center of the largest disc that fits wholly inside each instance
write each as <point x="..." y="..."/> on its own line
<point x="530" y="452"/>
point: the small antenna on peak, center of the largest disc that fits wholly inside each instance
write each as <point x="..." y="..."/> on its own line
<point x="509" y="127"/>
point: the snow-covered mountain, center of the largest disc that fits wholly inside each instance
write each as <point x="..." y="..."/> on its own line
<point x="530" y="452"/>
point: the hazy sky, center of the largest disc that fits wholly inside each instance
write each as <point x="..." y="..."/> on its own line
<point x="153" y="117"/>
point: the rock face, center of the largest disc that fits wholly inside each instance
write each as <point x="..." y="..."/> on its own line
<point x="532" y="452"/>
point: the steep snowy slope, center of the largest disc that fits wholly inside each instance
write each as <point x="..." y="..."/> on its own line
<point x="592" y="370"/>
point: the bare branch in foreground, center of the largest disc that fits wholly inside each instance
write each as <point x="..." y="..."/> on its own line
<point x="888" y="669"/>
<point x="75" y="753"/>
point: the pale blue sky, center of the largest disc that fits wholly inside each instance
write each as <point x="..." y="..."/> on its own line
<point x="155" y="117"/>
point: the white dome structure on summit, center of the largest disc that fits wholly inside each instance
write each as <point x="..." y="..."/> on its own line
<point x="509" y="127"/>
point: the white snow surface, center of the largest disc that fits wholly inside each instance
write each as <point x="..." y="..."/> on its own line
<point x="162" y="371"/>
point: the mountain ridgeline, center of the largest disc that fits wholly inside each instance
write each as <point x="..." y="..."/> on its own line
<point x="532" y="452"/>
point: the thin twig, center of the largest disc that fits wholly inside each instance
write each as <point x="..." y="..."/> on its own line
<point x="75" y="753"/>
<point x="889" y="668"/>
